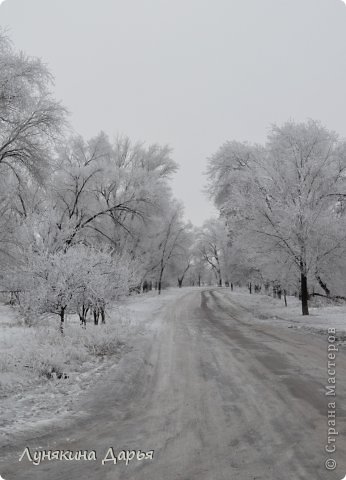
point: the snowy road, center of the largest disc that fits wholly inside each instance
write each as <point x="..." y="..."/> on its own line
<point x="216" y="395"/>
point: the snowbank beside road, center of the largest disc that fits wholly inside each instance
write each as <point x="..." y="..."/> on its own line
<point x="268" y="309"/>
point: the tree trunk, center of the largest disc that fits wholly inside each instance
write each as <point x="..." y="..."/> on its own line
<point x="82" y="320"/>
<point x="250" y="287"/>
<point x="160" y="280"/>
<point x="285" y="298"/>
<point x="305" y="294"/>
<point x="96" y="316"/>
<point x="231" y="287"/>
<point x="62" y="319"/>
<point x="199" y="280"/>
<point x="180" y="282"/>
<point x="103" y="315"/>
<point x="82" y="315"/>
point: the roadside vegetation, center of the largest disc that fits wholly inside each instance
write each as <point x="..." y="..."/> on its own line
<point x="32" y="356"/>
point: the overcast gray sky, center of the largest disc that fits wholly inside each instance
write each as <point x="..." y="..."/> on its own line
<point x="190" y="73"/>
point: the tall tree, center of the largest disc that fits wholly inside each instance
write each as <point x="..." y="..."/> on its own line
<point x="102" y="190"/>
<point x="30" y="119"/>
<point x="212" y="240"/>
<point x="170" y="241"/>
<point x="283" y="197"/>
<point x="31" y="124"/>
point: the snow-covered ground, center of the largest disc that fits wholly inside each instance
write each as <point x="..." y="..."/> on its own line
<point x="264" y="308"/>
<point x="30" y="392"/>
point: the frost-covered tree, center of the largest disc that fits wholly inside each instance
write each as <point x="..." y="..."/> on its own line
<point x="30" y="119"/>
<point x="198" y="272"/>
<point x="182" y="259"/>
<point x="168" y="242"/>
<point x="282" y="200"/>
<point x="31" y="123"/>
<point x="213" y="245"/>
<point x="106" y="192"/>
